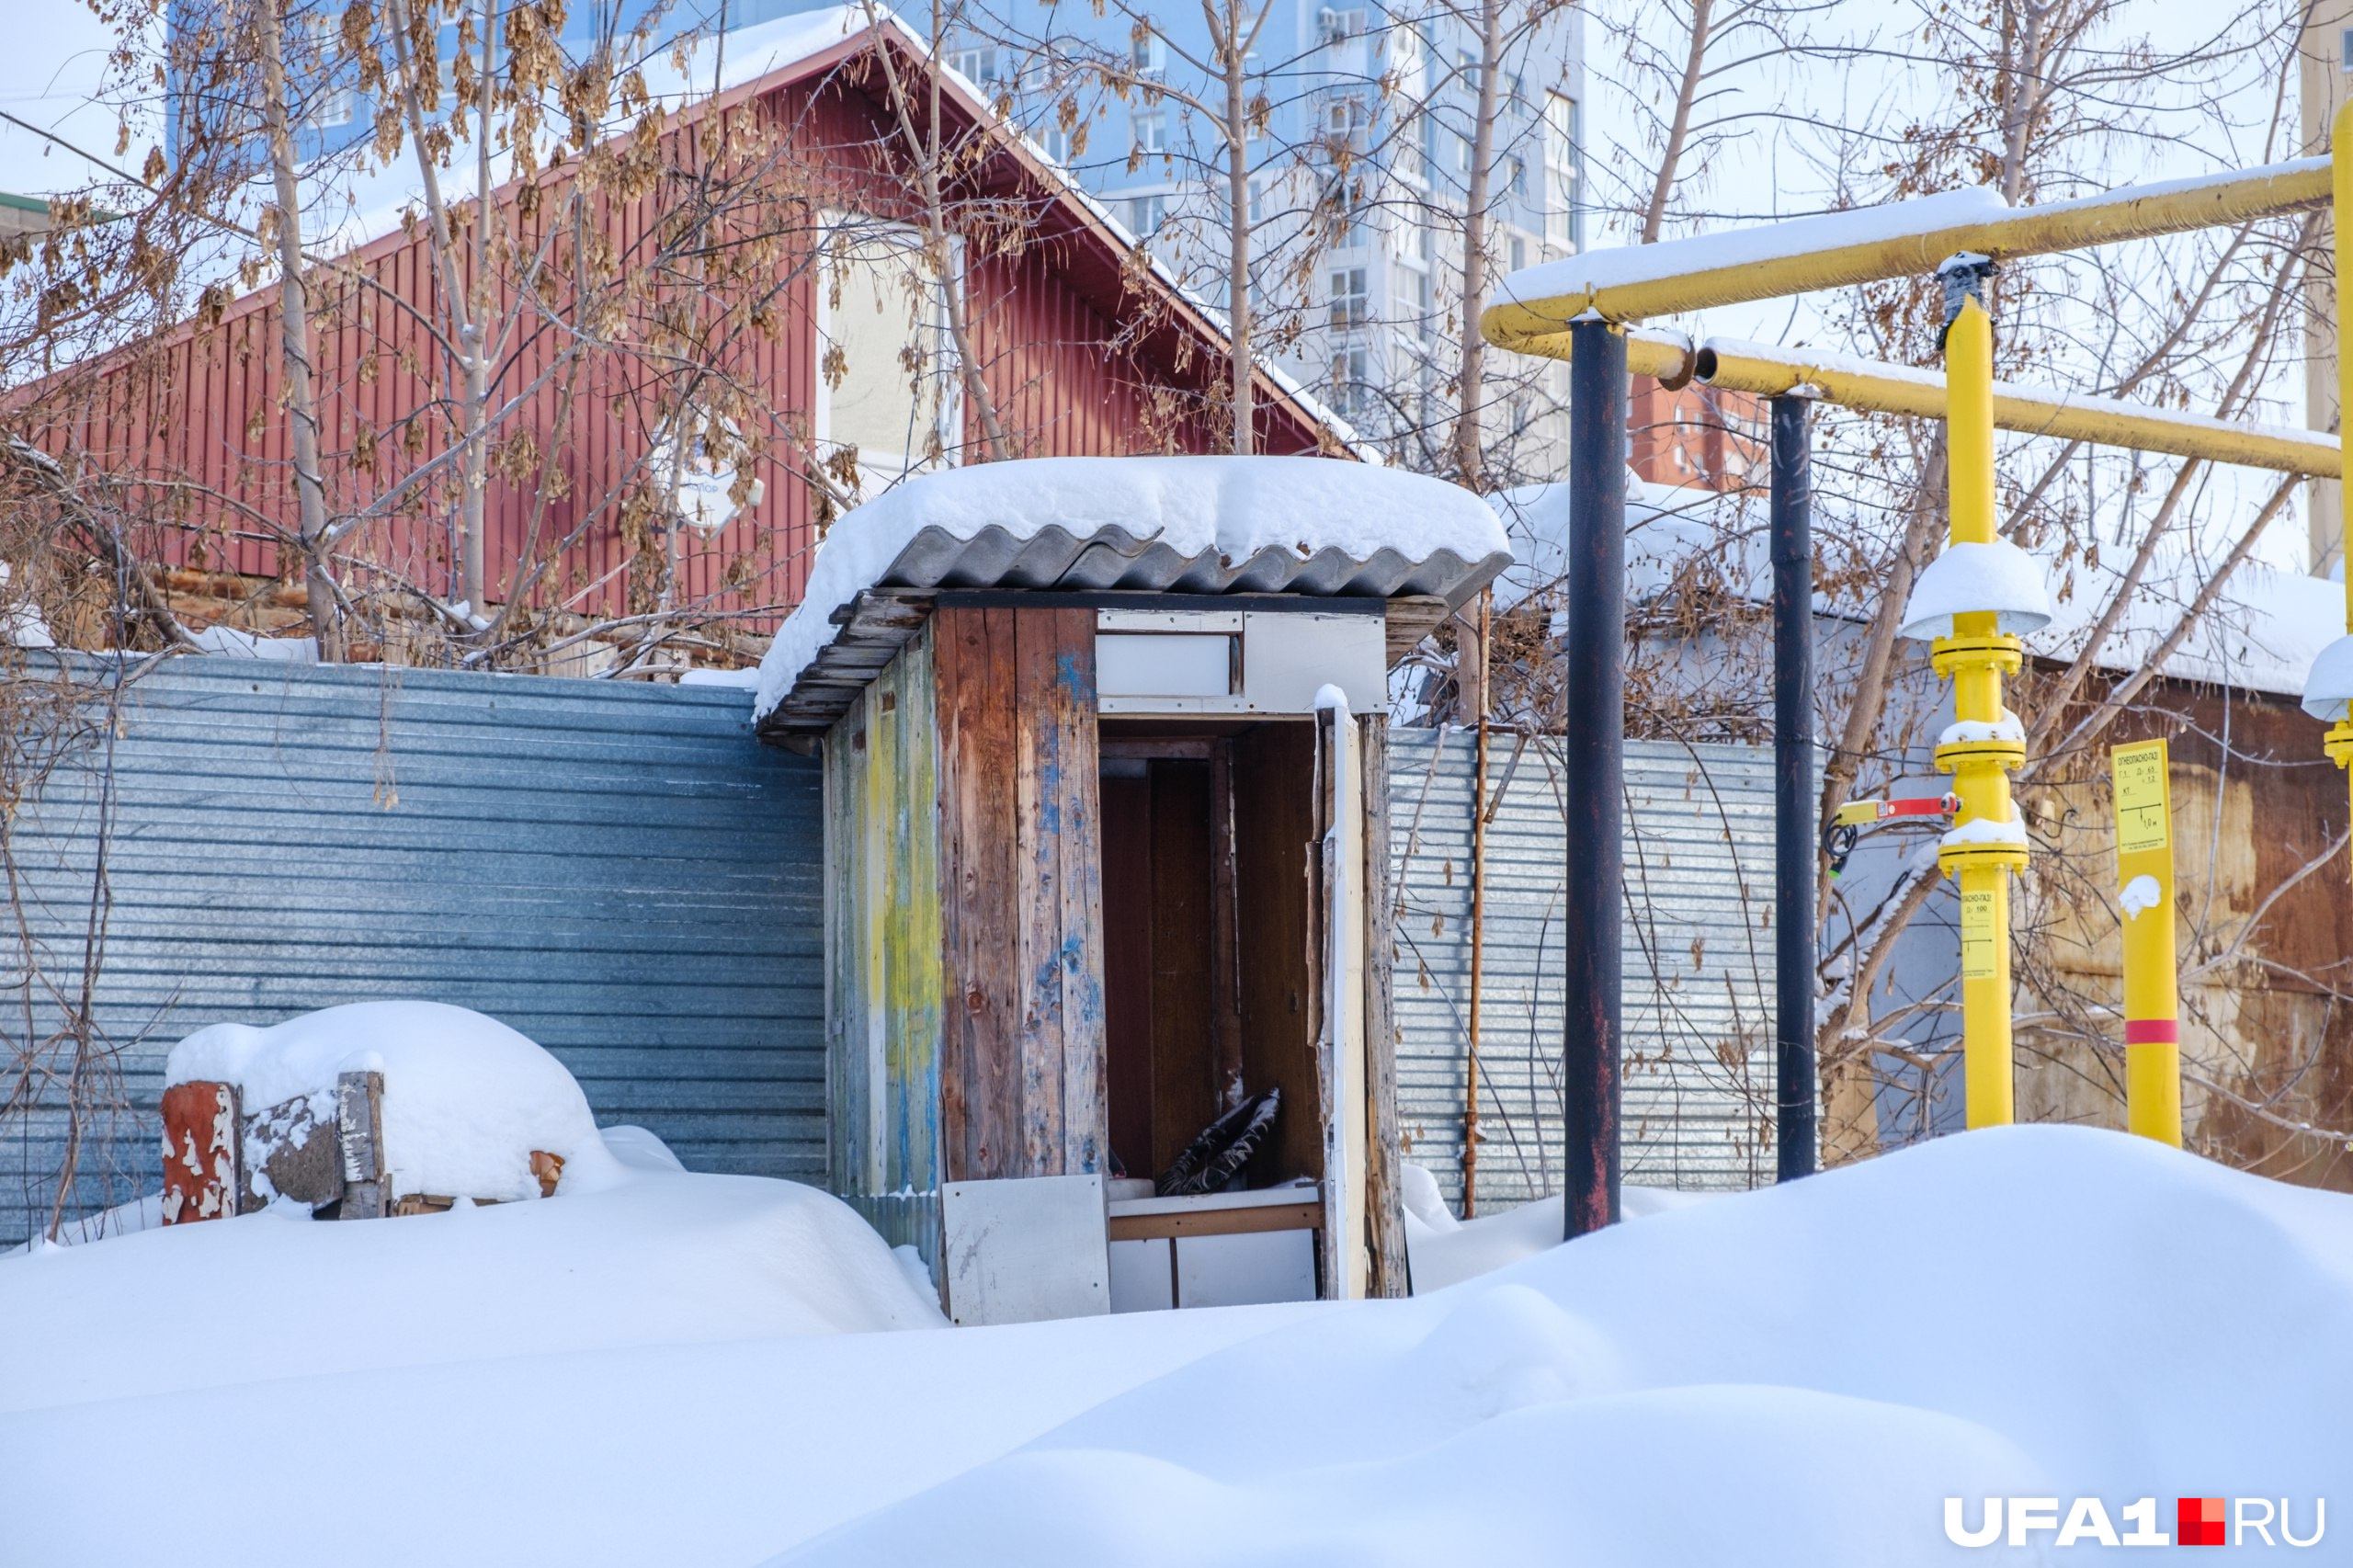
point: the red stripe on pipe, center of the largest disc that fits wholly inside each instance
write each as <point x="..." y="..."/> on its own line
<point x="2152" y="1031"/>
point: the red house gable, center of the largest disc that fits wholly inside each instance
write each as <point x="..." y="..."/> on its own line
<point x="688" y="266"/>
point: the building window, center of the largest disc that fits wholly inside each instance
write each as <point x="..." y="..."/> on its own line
<point x="1338" y="27"/>
<point x="333" y="99"/>
<point x="889" y="398"/>
<point x="1518" y="171"/>
<point x="984" y="65"/>
<point x="1561" y="170"/>
<point x="1351" y="300"/>
<point x="1519" y="252"/>
<point x="1146" y="213"/>
<point x="1148" y="52"/>
<point x="1151" y="133"/>
<point x="1346" y="122"/>
<point x="1351" y="383"/>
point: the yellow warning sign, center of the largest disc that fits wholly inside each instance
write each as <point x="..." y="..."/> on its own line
<point x="2143" y="818"/>
<point x="1977" y="955"/>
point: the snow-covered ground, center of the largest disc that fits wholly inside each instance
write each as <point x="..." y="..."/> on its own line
<point x="656" y="1373"/>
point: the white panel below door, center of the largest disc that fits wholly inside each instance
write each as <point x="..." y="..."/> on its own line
<point x="1140" y="1278"/>
<point x="1025" y="1250"/>
<point x="1244" y="1270"/>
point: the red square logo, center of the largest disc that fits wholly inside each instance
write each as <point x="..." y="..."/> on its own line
<point x="2199" y="1521"/>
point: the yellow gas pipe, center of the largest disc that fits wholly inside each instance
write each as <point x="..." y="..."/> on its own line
<point x="1976" y="658"/>
<point x="2144" y="874"/>
<point x="2338" y="742"/>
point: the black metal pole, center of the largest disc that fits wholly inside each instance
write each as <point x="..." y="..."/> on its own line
<point x="1594" y="775"/>
<point x="1795" y="852"/>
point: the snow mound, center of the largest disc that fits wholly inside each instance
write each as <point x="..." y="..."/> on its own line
<point x="1797" y="1376"/>
<point x="668" y="1258"/>
<point x="1445" y="1251"/>
<point x="1792" y="1378"/>
<point x="1225" y="509"/>
<point x="466" y="1100"/>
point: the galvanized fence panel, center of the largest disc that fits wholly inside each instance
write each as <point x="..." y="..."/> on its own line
<point x="620" y="872"/>
<point x="1698" y="960"/>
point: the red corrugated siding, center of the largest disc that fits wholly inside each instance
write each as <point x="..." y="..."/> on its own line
<point x="178" y="417"/>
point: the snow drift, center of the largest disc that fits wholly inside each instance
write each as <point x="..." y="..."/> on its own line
<point x="1794" y="1378"/>
<point x="653" y="1258"/>
<point x="1797" y="1376"/>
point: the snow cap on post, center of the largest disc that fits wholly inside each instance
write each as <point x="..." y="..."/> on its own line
<point x="1964" y="275"/>
<point x="1974" y="579"/>
<point x="2328" y="690"/>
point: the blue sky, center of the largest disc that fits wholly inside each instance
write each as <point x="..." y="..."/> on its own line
<point x="55" y="60"/>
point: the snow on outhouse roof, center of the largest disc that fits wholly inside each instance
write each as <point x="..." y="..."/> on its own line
<point x="1182" y="525"/>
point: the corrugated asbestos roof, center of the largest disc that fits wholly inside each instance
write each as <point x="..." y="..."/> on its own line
<point x="1417" y="593"/>
<point x="1112" y="558"/>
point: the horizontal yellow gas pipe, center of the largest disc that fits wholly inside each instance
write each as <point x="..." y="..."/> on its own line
<point x="1900" y="240"/>
<point x="1876" y="388"/>
<point x="2107" y="422"/>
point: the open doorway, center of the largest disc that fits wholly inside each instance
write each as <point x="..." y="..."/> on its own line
<point x="1208" y="940"/>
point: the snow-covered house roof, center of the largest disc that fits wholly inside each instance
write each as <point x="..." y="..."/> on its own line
<point x="2261" y="633"/>
<point x="1172" y="525"/>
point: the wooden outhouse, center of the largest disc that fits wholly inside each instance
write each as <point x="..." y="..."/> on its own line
<point x="1107" y="853"/>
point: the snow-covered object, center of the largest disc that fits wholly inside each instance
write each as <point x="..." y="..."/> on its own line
<point x="1742" y="1380"/>
<point x="1183" y="525"/>
<point x="1445" y="1251"/>
<point x="21" y="623"/>
<point x="1986" y="830"/>
<point x="467" y="1100"/>
<point x="1424" y="1202"/>
<point x="744" y="679"/>
<point x="1977" y="732"/>
<point x="1591" y="271"/>
<point x="2328" y="687"/>
<point x="2140" y="894"/>
<point x="698" y="487"/>
<point x="1973" y="578"/>
<point x="236" y="644"/>
<point x="1668" y="527"/>
<point x="639" y="1149"/>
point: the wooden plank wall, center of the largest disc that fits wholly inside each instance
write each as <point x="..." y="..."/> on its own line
<point x="1384" y="1188"/>
<point x="1021" y="874"/>
<point x="883" y="974"/>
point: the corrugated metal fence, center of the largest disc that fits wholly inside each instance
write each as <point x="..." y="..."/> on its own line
<point x="620" y="872"/>
<point x="624" y="875"/>
<point x="1698" y="962"/>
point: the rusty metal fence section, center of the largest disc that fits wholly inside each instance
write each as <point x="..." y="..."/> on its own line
<point x="1699" y="962"/>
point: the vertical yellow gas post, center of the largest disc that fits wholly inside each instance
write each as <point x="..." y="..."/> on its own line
<point x="2144" y="874"/>
<point x="2338" y="744"/>
<point x="1987" y="843"/>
